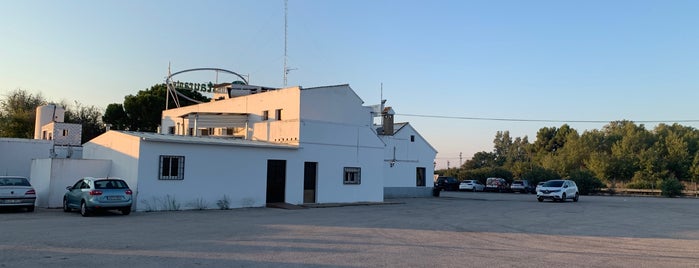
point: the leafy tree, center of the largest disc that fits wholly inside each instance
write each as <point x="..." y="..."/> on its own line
<point x="90" y="117"/>
<point x="144" y="109"/>
<point x="480" y="160"/>
<point x="18" y="114"/>
<point x="116" y="116"/>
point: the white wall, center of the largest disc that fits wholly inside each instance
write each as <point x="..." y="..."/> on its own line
<point x="336" y="146"/>
<point x="287" y="99"/>
<point x="51" y="176"/>
<point x="16" y="155"/>
<point x="123" y="151"/>
<point x="210" y="172"/>
<point x="409" y="155"/>
<point x="334" y="104"/>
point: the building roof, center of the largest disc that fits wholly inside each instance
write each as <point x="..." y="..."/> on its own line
<point x="204" y="140"/>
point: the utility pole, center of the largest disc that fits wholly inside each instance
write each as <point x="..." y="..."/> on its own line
<point x="447" y="164"/>
<point x="461" y="162"/>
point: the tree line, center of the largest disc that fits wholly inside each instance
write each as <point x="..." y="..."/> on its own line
<point x="621" y="154"/>
<point x="139" y="112"/>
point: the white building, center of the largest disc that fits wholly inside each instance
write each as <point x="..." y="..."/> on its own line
<point x="52" y="139"/>
<point x="254" y="146"/>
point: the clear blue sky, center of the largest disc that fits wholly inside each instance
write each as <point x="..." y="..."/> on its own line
<point x="555" y="60"/>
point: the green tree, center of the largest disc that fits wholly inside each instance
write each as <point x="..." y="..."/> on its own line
<point x="116" y="116"/>
<point x="18" y="114"/>
<point x="479" y="160"/>
<point x="90" y="117"/>
<point x="143" y="110"/>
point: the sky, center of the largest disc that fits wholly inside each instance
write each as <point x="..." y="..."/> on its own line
<point x="456" y="64"/>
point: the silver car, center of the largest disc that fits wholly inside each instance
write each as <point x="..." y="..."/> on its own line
<point x="92" y="194"/>
<point x="16" y="192"/>
<point x="558" y="190"/>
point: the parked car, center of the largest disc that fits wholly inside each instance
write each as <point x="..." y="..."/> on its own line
<point x="92" y="194"/>
<point x="496" y="185"/>
<point x="447" y="183"/>
<point x="558" y="190"/>
<point x="538" y="186"/>
<point x="522" y="186"/>
<point x="16" y="192"/>
<point x="471" y="185"/>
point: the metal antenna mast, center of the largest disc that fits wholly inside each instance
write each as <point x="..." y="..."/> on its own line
<point x="286" y="12"/>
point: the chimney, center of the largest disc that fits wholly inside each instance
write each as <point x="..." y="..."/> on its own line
<point x="387" y="121"/>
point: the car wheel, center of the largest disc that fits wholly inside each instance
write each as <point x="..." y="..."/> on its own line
<point x="563" y="197"/>
<point x="66" y="208"/>
<point x="541" y="199"/>
<point x="126" y="211"/>
<point x="83" y="209"/>
<point x="30" y="209"/>
<point x="575" y="199"/>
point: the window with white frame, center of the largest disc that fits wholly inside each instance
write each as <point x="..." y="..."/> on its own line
<point x="352" y="175"/>
<point x="171" y="167"/>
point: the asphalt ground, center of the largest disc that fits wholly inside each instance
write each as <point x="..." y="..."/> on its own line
<point x="459" y="229"/>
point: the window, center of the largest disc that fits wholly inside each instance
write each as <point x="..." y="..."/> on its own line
<point x="65" y="132"/>
<point x="420" y="176"/>
<point x="171" y="167"/>
<point x="412" y="138"/>
<point x="278" y="114"/>
<point x="171" y="130"/>
<point x="353" y="175"/>
<point x="265" y="115"/>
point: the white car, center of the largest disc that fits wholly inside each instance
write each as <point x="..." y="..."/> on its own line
<point x="558" y="190"/>
<point x="16" y="192"/>
<point x="471" y="185"/>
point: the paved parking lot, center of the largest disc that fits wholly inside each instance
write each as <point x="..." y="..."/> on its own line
<point x="459" y="229"/>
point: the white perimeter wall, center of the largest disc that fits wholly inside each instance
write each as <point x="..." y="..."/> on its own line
<point x="16" y="155"/>
<point x="51" y="176"/>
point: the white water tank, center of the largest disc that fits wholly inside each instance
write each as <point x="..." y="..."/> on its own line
<point x="46" y="114"/>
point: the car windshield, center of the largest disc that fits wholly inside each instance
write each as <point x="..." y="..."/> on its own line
<point x="14" y="182"/>
<point x="517" y="182"/>
<point x="553" y="184"/>
<point x="110" y="184"/>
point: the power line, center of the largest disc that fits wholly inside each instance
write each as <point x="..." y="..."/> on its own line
<point x="544" y="120"/>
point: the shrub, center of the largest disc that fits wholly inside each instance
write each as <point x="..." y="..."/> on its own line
<point x="538" y="174"/>
<point x="671" y="187"/>
<point x="586" y="181"/>
<point x="224" y="203"/>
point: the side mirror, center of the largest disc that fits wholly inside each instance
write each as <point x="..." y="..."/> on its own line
<point x="69" y="188"/>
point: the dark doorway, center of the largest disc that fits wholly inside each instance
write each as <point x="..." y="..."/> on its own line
<point x="420" y="176"/>
<point x="310" y="175"/>
<point x="276" y="180"/>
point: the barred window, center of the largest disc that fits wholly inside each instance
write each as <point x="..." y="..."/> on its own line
<point x="171" y="167"/>
<point x="353" y="175"/>
<point x="265" y="115"/>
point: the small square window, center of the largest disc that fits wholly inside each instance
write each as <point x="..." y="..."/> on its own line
<point x="171" y="167"/>
<point x="278" y="114"/>
<point x="265" y="115"/>
<point x="352" y="175"/>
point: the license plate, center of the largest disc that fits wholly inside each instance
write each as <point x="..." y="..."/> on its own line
<point x="114" y="197"/>
<point x="10" y="201"/>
